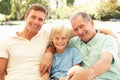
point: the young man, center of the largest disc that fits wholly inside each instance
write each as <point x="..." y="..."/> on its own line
<point x="20" y="56"/>
<point x="99" y="51"/>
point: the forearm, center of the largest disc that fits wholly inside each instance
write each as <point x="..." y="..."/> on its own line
<point x="46" y="62"/>
<point x="1" y="76"/>
<point x="102" y="65"/>
<point x="3" y="64"/>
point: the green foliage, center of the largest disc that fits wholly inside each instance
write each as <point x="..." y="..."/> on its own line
<point x="19" y="7"/>
<point x="5" y="7"/>
<point x="70" y="2"/>
<point x="106" y="9"/>
<point x="66" y="12"/>
<point x="62" y="13"/>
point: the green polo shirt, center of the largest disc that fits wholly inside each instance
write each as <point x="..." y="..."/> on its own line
<point x="92" y="50"/>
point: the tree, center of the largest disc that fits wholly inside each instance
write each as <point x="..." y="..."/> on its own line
<point x="105" y="8"/>
<point x="19" y="7"/>
<point x="70" y="2"/>
<point x="5" y="7"/>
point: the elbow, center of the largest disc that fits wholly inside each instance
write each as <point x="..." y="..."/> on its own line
<point x="107" y="59"/>
<point x="108" y="63"/>
<point x="108" y="67"/>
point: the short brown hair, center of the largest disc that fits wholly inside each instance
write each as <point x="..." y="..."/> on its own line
<point x="37" y="7"/>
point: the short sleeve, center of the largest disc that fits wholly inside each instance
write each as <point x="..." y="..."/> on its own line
<point x="77" y="56"/>
<point x="3" y="49"/>
<point x="110" y="45"/>
<point x="73" y="42"/>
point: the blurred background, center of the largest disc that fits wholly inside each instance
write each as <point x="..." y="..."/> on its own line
<point x="106" y="13"/>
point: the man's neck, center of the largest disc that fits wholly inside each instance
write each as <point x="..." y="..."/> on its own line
<point x="26" y="34"/>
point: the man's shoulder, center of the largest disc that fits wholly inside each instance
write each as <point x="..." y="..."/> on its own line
<point x="106" y="38"/>
<point x="103" y="36"/>
<point x="6" y="41"/>
<point x="44" y="32"/>
<point x="75" y="38"/>
<point x="72" y="48"/>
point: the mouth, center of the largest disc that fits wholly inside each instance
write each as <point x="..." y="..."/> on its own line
<point x="36" y="27"/>
<point x="60" y="45"/>
<point x="83" y="34"/>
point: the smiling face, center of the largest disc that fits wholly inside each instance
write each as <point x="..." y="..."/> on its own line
<point x="60" y="42"/>
<point x="59" y="37"/>
<point x="34" y="20"/>
<point x="84" y="29"/>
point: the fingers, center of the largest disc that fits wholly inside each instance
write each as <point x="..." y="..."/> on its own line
<point x="43" y="69"/>
<point x="63" y="78"/>
<point x="49" y="69"/>
<point x="70" y="75"/>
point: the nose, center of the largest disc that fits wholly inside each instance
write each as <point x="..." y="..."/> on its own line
<point x="80" y="31"/>
<point x="36" y="21"/>
<point x="59" y="40"/>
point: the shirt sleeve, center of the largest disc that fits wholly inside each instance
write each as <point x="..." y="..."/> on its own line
<point x="77" y="56"/>
<point x="110" y="45"/>
<point x="73" y="42"/>
<point x="3" y="49"/>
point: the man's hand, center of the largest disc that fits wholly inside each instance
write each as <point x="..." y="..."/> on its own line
<point x="63" y="78"/>
<point x="86" y="74"/>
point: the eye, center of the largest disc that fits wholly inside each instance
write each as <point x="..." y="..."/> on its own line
<point x="40" y="19"/>
<point x="81" y="26"/>
<point x="56" y="38"/>
<point x="63" y="38"/>
<point x="75" y="29"/>
<point x="33" y="17"/>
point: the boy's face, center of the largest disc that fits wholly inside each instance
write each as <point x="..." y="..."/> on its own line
<point x="60" y="42"/>
<point x="34" y="20"/>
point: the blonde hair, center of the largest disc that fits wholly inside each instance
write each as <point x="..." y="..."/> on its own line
<point x="59" y="29"/>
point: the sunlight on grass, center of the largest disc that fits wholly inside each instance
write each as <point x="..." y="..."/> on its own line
<point x="2" y="17"/>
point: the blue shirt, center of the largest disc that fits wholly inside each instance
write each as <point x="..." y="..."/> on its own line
<point x="63" y="62"/>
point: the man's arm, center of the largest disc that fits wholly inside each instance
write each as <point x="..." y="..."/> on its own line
<point x="45" y="76"/>
<point x="3" y="64"/>
<point x="100" y="67"/>
<point x="107" y="32"/>
<point x="72" y="33"/>
<point x="46" y="62"/>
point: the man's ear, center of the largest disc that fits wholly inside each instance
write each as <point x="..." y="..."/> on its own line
<point x="25" y="16"/>
<point x="92" y="23"/>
